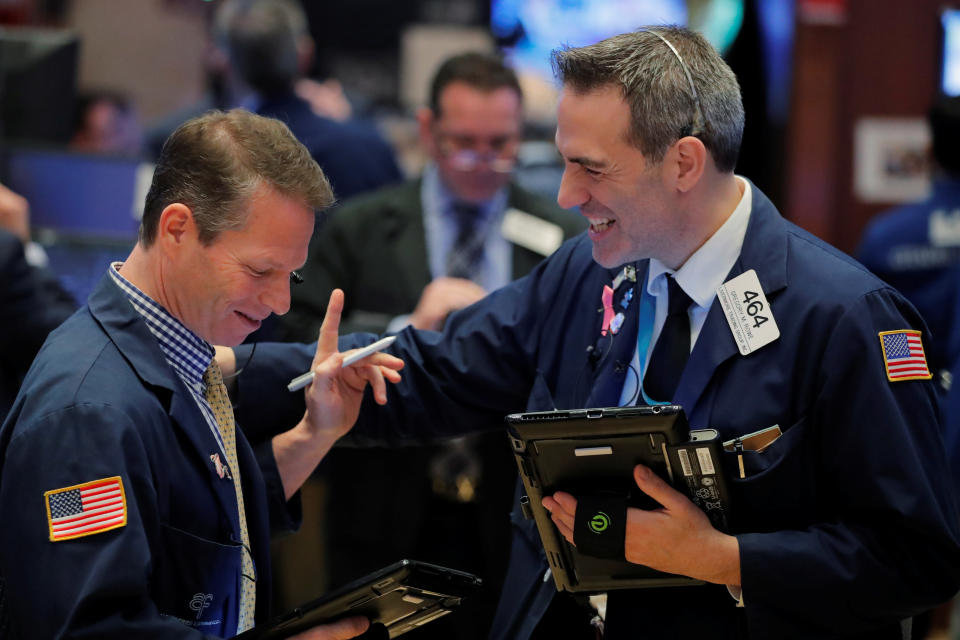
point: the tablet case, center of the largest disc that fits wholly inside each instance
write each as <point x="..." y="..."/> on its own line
<point x="594" y="451"/>
<point x="402" y="597"/>
<point x="697" y="467"/>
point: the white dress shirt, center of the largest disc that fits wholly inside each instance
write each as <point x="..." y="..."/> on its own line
<point x="699" y="277"/>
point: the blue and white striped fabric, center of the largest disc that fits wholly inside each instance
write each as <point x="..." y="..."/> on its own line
<point x="186" y="352"/>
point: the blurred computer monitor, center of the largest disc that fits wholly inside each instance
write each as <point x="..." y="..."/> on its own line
<point x="950" y="52"/>
<point x="530" y="30"/>
<point x="79" y="195"/>
<point x="84" y="209"/>
<point x="38" y="71"/>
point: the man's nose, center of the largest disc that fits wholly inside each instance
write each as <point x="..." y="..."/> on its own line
<point x="571" y="194"/>
<point x="277" y="295"/>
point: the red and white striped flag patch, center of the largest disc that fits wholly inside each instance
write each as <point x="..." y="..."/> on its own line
<point x="903" y="355"/>
<point x="85" y="509"/>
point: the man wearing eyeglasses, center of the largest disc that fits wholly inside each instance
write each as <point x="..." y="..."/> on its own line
<point x="412" y="254"/>
<point x="844" y="523"/>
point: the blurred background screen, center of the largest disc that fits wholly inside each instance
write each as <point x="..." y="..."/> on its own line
<point x="950" y="52"/>
<point x="38" y="74"/>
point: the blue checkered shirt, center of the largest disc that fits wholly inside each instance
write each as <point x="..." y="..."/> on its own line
<point x="186" y="352"/>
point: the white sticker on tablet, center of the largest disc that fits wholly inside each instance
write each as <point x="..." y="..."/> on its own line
<point x="748" y="312"/>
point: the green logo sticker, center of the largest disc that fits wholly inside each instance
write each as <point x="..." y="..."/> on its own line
<point x="600" y="522"/>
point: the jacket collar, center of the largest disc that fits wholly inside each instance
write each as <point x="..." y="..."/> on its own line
<point x="127" y="330"/>
<point x="764" y="250"/>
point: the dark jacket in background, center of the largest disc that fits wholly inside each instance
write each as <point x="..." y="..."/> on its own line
<point x="353" y="154"/>
<point x="375" y="249"/>
<point x="32" y="304"/>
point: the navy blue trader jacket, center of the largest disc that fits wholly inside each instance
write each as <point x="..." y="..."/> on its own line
<point x="846" y="524"/>
<point x="101" y="402"/>
<point x="951" y="402"/>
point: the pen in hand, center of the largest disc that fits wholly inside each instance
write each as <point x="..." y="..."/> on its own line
<point x="303" y="380"/>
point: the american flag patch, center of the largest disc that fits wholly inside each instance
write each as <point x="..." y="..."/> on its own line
<point x="85" y="509"/>
<point x="903" y="355"/>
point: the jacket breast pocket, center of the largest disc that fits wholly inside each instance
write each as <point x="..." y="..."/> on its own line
<point x="778" y="489"/>
<point x="196" y="581"/>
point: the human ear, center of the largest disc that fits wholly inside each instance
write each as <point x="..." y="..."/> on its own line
<point x="690" y="161"/>
<point x="176" y="225"/>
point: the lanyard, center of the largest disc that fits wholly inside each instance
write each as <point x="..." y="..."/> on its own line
<point x="648" y="307"/>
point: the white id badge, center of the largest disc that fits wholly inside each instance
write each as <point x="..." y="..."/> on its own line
<point x="748" y="312"/>
<point x="531" y="232"/>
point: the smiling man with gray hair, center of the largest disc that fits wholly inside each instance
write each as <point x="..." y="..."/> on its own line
<point x="844" y="524"/>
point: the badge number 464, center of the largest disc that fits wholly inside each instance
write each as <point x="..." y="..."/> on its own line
<point x="754" y="308"/>
<point x="748" y="312"/>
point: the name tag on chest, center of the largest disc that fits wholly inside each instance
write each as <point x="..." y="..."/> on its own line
<point x="531" y="232"/>
<point x="748" y="313"/>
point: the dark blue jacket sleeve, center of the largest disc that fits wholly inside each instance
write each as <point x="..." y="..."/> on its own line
<point x="467" y="378"/>
<point x="102" y="586"/>
<point x="285" y="515"/>
<point x="264" y="407"/>
<point x="880" y="548"/>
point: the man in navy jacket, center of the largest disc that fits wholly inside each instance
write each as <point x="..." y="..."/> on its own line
<point x="269" y="45"/>
<point x="128" y="510"/>
<point x="845" y="526"/>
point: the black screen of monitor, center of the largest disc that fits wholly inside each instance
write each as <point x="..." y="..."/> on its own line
<point x="38" y="72"/>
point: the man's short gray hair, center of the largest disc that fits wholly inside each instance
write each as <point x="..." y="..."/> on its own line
<point x="655" y="86"/>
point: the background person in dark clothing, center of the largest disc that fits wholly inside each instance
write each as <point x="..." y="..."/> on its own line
<point x="32" y="302"/>
<point x="270" y="47"/>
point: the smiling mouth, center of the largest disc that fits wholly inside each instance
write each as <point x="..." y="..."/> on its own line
<point x="249" y="319"/>
<point x="601" y="224"/>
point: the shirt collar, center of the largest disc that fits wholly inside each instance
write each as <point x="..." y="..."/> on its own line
<point x="187" y="353"/>
<point x="704" y="271"/>
<point x="444" y="197"/>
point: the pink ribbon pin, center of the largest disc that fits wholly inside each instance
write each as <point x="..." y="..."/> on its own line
<point x="607" y="299"/>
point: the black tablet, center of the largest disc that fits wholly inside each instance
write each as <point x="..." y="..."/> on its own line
<point x="590" y="451"/>
<point x="402" y="597"/>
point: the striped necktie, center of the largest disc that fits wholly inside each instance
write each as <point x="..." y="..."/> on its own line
<point x="216" y="396"/>
<point x="466" y="254"/>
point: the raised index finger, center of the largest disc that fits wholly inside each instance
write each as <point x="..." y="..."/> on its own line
<point x="330" y="329"/>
